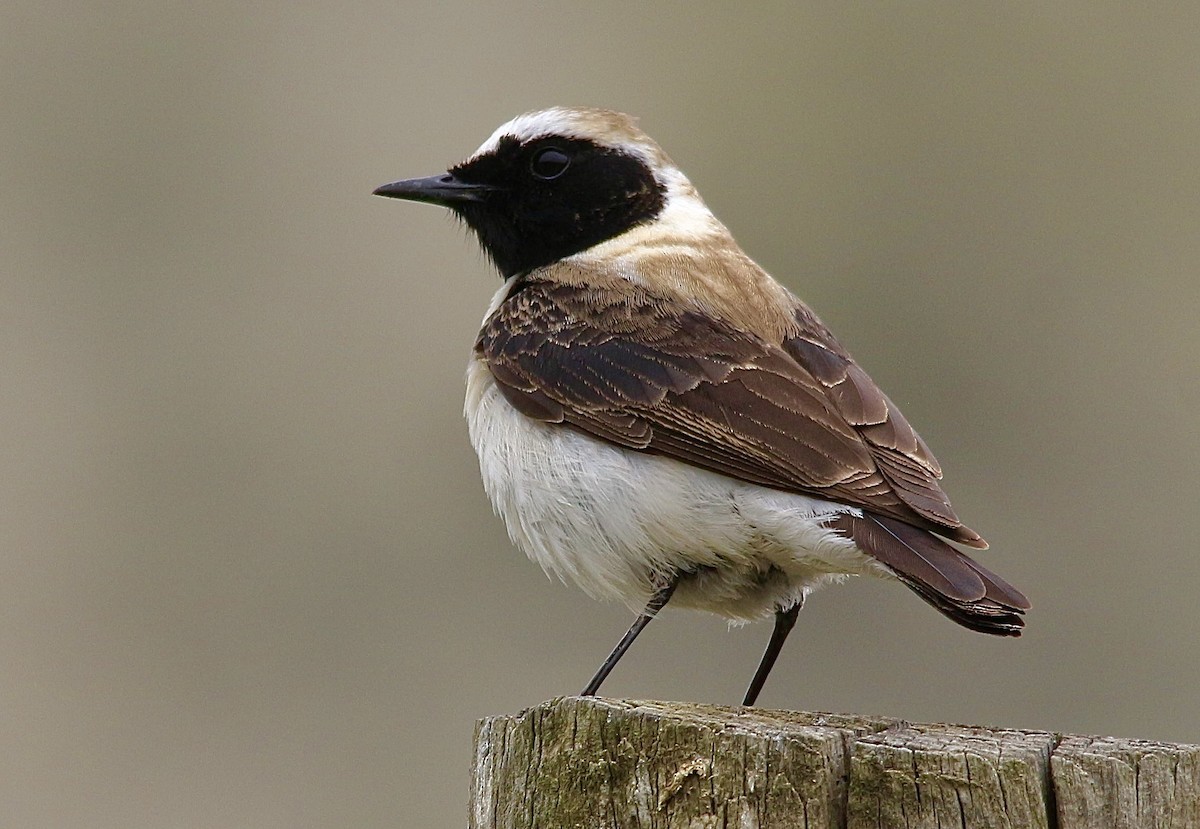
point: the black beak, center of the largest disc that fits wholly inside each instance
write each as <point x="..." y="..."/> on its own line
<point x="445" y="189"/>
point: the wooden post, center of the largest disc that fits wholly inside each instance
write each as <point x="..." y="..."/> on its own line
<point x="586" y="763"/>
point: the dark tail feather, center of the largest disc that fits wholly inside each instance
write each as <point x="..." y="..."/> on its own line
<point x="984" y="616"/>
<point x="946" y="578"/>
<point x="998" y="590"/>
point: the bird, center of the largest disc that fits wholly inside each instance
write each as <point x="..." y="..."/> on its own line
<point x="659" y="420"/>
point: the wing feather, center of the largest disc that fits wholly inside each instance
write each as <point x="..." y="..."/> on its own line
<point x="898" y="451"/>
<point x="645" y="372"/>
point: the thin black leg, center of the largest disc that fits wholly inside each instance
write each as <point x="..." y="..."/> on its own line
<point x="785" y="620"/>
<point x="656" y="603"/>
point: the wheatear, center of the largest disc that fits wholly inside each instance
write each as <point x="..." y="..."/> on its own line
<point x="657" y="419"/>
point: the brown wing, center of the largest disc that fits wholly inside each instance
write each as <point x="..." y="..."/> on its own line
<point x="646" y="373"/>
<point x="902" y="457"/>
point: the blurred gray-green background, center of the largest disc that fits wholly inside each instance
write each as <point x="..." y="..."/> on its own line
<point x="248" y="577"/>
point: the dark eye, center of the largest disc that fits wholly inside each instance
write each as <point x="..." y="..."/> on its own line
<point x="549" y="163"/>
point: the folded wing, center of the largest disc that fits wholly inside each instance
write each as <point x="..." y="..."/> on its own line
<point x="646" y="373"/>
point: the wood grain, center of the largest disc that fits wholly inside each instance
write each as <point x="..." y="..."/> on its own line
<point x="587" y="762"/>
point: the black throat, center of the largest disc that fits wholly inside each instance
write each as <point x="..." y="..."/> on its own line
<point x="536" y="214"/>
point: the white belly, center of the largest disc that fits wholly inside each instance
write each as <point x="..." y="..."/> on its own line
<point x="610" y="519"/>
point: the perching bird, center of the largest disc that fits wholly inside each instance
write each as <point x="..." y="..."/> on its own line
<point x="657" y="419"/>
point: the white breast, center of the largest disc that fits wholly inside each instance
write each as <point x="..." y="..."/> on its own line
<point x="609" y="519"/>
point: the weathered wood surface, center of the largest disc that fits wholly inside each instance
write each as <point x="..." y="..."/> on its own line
<point x="578" y="763"/>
